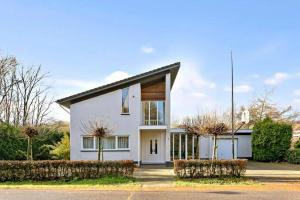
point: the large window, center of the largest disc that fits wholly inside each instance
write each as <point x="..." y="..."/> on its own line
<point x="125" y="100"/>
<point x="109" y="143"/>
<point x="153" y="112"/>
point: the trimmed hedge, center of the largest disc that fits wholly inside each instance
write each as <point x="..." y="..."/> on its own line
<point x="66" y="170"/>
<point x="271" y="140"/>
<point x="209" y="168"/>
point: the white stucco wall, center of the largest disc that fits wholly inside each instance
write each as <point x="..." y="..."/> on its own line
<point x="107" y="108"/>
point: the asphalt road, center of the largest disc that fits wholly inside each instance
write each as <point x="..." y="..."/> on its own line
<point x="12" y="194"/>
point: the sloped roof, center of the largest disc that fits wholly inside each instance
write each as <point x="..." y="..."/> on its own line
<point x="144" y="77"/>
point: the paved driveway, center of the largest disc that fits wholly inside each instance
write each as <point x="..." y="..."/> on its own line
<point x="263" y="172"/>
<point x="273" y="172"/>
<point x="139" y="195"/>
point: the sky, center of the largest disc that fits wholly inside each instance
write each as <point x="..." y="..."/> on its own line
<point x="84" y="44"/>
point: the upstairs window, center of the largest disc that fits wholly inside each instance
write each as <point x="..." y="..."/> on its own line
<point x="125" y="100"/>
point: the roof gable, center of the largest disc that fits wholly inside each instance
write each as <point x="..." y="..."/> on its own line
<point x="140" y="78"/>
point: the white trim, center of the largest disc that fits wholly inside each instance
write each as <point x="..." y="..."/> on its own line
<point x="153" y="127"/>
<point x="88" y="149"/>
<point x="153" y="162"/>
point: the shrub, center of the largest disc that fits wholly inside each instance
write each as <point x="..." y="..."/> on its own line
<point x="62" y="149"/>
<point x="209" y="168"/>
<point x="13" y="143"/>
<point x="293" y="156"/>
<point x="66" y="170"/>
<point x="271" y="140"/>
<point x="297" y="144"/>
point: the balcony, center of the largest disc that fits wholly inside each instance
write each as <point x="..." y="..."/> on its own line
<point x="153" y="113"/>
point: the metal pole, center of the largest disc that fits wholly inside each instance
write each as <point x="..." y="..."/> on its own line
<point x="232" y="107"/>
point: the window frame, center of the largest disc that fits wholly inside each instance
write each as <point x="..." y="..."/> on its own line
<point x="125" y="113"/>
<point x="116" y="143"/>
<point x="94" y="143"/>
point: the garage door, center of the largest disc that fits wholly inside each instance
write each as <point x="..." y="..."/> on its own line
<point x="225" y="148"/>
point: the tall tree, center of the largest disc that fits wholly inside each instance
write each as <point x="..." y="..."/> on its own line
<point x="24" y="97"/>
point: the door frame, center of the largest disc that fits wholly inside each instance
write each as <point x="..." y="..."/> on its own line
<point x="144" y="150"/>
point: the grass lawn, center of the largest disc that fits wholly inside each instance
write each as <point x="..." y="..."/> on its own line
<point x="108" y="181"/>
<point x="216" y="181"/>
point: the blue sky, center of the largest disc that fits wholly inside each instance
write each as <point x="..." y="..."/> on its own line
<point x="83" y="44"/>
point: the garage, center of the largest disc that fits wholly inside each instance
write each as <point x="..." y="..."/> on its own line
<point x="183" y="146"/>
<point x="224" y="150"/>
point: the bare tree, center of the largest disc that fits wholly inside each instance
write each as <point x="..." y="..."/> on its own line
<point x="214" y="126"/>
<point x="99" y="130"/>
<point x="262" y="107"/>
<point x="7" y="82"/>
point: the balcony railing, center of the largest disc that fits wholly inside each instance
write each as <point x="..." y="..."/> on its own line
<point x="153" y="113"/>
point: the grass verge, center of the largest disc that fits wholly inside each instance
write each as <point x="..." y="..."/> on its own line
<point x="107" y="181"/>
<point x="216" y="181"/>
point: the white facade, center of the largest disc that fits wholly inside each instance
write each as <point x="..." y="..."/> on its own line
<point x="132" y="135"/>
<point x="107" y="109"/>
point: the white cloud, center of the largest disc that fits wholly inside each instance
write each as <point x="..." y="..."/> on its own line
<point x="297" y="92"/>
<point x="240" y="89"/>
<point x="116" y="76"/>
<point x="76" y="83"/>
<point x="147" y="50"/>
<point x="89" y="84"/>
<point x="191" y="91"/>
<point x="277" y="78"/>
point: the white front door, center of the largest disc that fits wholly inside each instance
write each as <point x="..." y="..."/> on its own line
<point x="224" y="150"/>
<point x="152" y="148"/>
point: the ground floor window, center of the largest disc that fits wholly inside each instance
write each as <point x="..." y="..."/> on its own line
<point x="109" y="143"/>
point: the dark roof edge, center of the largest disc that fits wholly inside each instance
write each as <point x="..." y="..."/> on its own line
<point x="67" y="101"/>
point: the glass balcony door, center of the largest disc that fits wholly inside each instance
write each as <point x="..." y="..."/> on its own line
<point x="153" y="112"/>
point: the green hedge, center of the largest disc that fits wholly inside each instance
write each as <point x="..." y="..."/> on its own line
<point x="209" y="168"/>
<point x="66" y="170"/>
<point x="293" y="156"/>
<point x="271" y="140"/>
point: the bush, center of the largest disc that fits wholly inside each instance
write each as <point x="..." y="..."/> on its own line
<point x="293" y="156"/>
<point x="271" y="140"/>
<point x="62" y="149"/>
<point x="66" y="170"/>
<point x="13" y="143"/>
<point x="209" y="168"/>
<point x="297" y="144"/>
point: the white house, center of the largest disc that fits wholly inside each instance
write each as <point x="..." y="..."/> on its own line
<point x="137" y="111"/>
